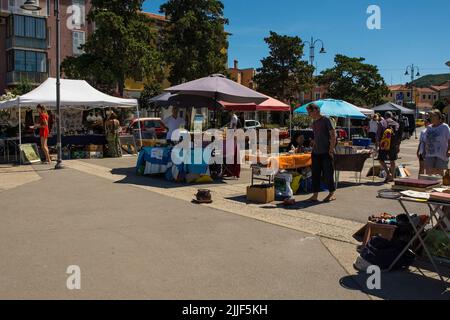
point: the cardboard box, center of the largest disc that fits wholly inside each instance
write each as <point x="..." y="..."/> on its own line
<point x="261" y="193"/>
<point x="95" y="155"/>
<point x="94" y="148"/>
<point x="77" y="154"/>
<point x="372" y="229"/>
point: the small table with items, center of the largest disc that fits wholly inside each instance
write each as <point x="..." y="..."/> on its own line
<point x="439" y="218"/>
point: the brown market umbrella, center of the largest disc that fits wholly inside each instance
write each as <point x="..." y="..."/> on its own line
<point x="219" y="88"/>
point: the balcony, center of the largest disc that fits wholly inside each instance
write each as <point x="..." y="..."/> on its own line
<point x="22" y="42"/>
<point x="35" y="78"/>
<point x="7" y="9"/>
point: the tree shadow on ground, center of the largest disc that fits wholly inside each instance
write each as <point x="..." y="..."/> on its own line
<point x="410" y="284"/>
<point x="159" y="181"/>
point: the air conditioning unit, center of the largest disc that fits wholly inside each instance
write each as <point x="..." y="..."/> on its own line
<point x="2" y="21"/>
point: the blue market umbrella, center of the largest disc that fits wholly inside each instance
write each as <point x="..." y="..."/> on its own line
<point x="334" y="108"/>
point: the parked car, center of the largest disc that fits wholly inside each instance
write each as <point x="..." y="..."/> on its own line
<point x="252" y="124"/>
<point x="150" y="128"/>
<point x="249" y="124"/>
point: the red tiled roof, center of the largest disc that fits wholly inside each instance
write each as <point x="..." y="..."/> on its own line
<point x="439" y="88"/>
<point x="398" y="87"/>
<point x="425" y="90"/>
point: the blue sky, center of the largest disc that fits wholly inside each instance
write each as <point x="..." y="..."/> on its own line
<point x="413" y="31"/>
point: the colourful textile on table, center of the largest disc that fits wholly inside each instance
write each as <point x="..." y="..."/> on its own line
<point x="294" y="161"/>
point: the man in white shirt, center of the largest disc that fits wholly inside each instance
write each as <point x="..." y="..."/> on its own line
<point x="173" y="123"/>
<point x="234" y="121"/>
<point x="373" y="128"/>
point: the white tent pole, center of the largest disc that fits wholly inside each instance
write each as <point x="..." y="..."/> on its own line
<point x="139" y="125"/>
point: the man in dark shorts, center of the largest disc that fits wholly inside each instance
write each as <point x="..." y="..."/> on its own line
<point x="388" y="142"/>
<point x="322" y="154"/>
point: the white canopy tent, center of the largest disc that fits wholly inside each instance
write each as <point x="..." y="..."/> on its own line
<point x="366" y="112"/>
<point x="73" y="93"/>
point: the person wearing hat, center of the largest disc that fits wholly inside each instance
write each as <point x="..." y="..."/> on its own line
<point x="388" y="141"/>
<point x="322" y="154"/>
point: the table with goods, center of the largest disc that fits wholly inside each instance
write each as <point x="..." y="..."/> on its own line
<point x="394" y="242"/>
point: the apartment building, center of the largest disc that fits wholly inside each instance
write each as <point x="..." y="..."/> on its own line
<point x="28" y="39"/>
<point x="424" y="98"/>
<point x="243" y="76"/>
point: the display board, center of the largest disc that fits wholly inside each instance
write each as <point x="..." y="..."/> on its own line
<point x="29" y="153"/>
<point x="128" y="144"/>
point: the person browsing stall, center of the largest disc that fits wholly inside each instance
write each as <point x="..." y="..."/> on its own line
<point x="437" y="145"/>
<point x="173" y="123"/>
<point x="421" y="148"/>
<point x="44" y="132"/>
<point x="297" y="144"/>
<point x="388" y="141"/>
<point x="324" y="144"/>
<point x="373" y="127"/>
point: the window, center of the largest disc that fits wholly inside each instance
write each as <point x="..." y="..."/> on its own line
<point x="28" y="61"/>
<point x="48" y="7"/>
<point x="317" y="96"/>
<point x="424" y="97"/>
<point x="79" y="16"/>
<point x="29" y="27"/>
<point x="152" y="124"/>
<point x="435" y="97"/>
<point x="408" y="94"/>
<point x="19" y="60"/>
<point x="78" y="39"/>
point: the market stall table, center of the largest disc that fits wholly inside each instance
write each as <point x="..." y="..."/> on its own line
<point x="284" y="161"/>
<point x="436" y="212"/>
<point x="350" y="163"/>
<point x="70" y="140"/>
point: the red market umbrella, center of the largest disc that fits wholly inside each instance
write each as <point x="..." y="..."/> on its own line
<point x="270" y="104"/>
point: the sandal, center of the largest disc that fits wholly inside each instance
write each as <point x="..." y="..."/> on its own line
<point x="330" y="199"/>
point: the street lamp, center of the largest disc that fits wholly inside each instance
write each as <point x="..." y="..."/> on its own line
<point x="312" y="49"/>
<point x="413" y="70"/>
<point x="33" y="5"/>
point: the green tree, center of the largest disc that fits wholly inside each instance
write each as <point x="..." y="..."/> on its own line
<point x="440" y="104"/>
<point x="283" y="73"/>
<point x="122" y="46"/>
<point x="354" y="81"/>
<point x="194" y="42"/>
<point x="23" y="87"/>
<point x="150" y="90"/>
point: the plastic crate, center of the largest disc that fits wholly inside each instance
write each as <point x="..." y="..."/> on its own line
<point x="362" y="142"/>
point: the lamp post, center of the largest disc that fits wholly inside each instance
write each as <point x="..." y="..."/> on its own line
<point x="312" y="49"/>
<point x="33" y="5"/>
<point x="412" y="69"/>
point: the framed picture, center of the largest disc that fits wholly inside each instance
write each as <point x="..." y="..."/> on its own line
<point x="29" y="153"/>
<point x="128" y="144"/>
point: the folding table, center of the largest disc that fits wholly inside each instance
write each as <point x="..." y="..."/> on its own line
<point x="441" y="218"/>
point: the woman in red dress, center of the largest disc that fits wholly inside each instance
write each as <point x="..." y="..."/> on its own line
<point x="44" y="132"/>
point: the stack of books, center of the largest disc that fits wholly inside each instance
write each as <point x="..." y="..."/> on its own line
<point x="440" y="197"/>
<point x="416" y="185"/>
